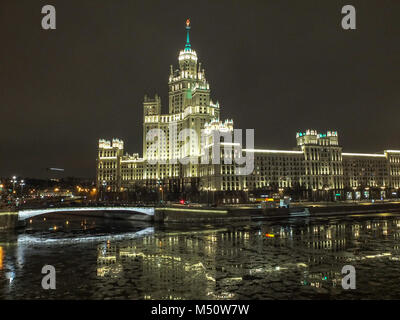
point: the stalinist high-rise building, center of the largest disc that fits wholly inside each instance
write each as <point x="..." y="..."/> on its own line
<point x="189" y="107"/>
<point x="315" y="165"/>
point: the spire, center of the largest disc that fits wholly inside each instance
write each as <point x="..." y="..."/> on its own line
<point x="187" y="46"/>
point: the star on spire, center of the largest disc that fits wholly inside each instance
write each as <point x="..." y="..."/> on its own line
<point x="187" y="46"/>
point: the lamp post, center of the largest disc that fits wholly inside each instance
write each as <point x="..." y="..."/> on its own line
<point x="22" y="184"/>
<point x="326" y="193"/>
<point x="281" y="192"/>
<point x="104" y="184"/>
<point x="1" y="190"/>
<point x="14" y="181"/>
<point x="246" y="190"/>
<point x="208" y="187"/>
<point x="383" y="193"/>
<point x="160" y="189"/>
<point x="369" y="193"/>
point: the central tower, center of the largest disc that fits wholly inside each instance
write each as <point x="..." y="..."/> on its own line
<point x="190" y="109"/>
<point x="187" y="85"/>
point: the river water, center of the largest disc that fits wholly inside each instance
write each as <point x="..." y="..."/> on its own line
<point x="299" y="258"/>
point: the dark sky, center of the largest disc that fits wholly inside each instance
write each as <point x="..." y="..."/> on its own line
<point x="276" y="66"/>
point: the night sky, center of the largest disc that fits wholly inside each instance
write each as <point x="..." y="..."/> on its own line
<point x="276" y="66"/>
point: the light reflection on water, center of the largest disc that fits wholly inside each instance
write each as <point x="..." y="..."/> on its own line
<point x="285" y="259"/>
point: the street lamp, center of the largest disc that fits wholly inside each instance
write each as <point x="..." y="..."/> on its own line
<point x="14" y="181"/>
<point x="327" y="193"/>
<point x="246" y="190"/>
<point x="162" y="194"/>
<point x="22" y="184"/>
<point x="104" y="184"/>
<point x="314" y="197"/>
<point x="208" y="187"/>
<point x="354" y="194"/>
<point x="383" y="193"/>
<point x="160" y="188"/>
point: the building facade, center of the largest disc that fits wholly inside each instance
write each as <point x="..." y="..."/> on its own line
<point x="316" y="168"/>
<point x="175" y="142"/>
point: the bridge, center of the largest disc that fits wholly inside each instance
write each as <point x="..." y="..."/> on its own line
<point x="147" y="213"/>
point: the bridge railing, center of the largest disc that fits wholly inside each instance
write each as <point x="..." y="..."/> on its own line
<point x="29" y="213"/>
<point x="80" y="205"/>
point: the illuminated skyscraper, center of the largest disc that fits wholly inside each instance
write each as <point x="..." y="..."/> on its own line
<point x="316" y="165"/>
<point x="190" y="110"/>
